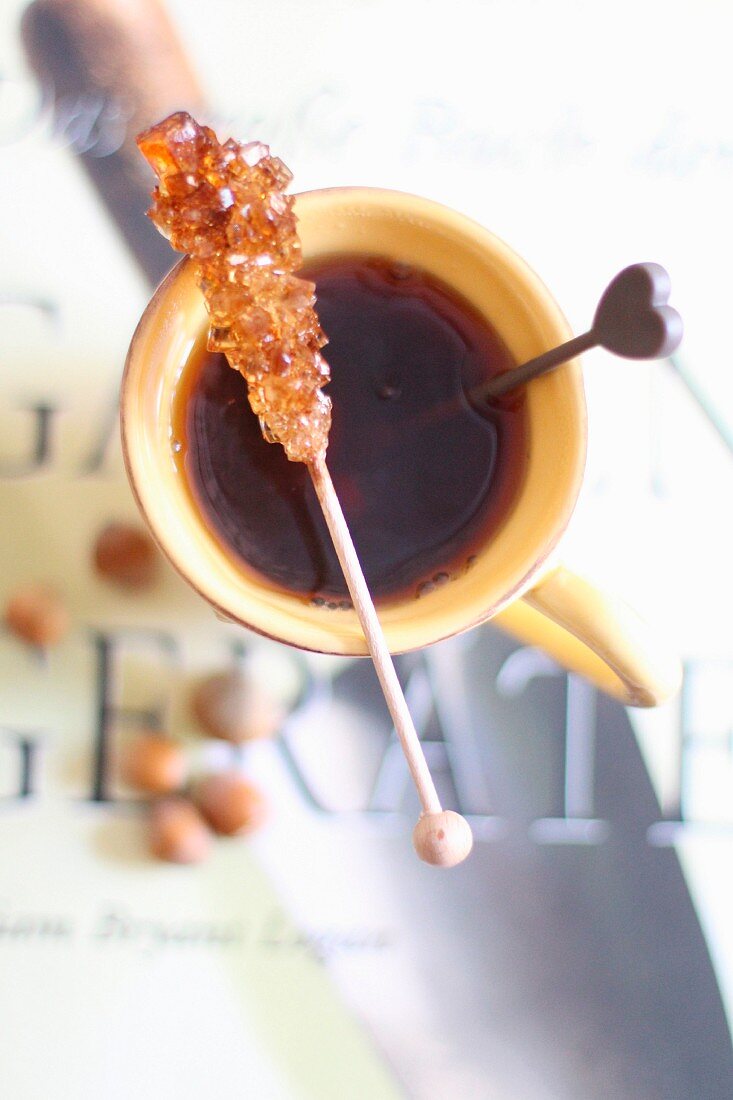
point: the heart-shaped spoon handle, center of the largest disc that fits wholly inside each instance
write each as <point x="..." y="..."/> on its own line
<point x="633" y="320"/>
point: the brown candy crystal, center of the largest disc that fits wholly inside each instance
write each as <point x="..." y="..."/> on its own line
<point x="225" y="205"/>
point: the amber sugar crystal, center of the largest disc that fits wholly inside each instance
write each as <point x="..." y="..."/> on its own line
<point x="225" y="205"/>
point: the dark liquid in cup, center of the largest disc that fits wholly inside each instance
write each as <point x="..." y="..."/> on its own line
<point x="423" y="477"/>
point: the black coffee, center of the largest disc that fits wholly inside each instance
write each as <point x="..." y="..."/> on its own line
<point x="423" y="477"/>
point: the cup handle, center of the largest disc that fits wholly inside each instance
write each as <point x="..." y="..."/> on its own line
<point x="595" y="634"/>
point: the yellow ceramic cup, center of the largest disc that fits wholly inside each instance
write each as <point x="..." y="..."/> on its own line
<point x="512" y="579"/>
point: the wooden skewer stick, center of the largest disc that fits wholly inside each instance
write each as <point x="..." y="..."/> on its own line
<point x="633" y="320"/>
<point x="441" y="837"/>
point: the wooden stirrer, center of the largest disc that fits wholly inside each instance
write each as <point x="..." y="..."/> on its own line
<point x="632" y="320"/>
<point x="441" y="837"/>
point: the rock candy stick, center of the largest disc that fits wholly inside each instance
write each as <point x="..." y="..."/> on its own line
<point x="225" y="205"/>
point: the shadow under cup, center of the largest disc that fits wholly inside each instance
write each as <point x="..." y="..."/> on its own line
<point x="502" y="288"/>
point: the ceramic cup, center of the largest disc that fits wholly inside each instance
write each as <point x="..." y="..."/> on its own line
<point x="515" y="578"/>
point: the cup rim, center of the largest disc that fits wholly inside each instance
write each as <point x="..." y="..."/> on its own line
<point x="438" y="218"/>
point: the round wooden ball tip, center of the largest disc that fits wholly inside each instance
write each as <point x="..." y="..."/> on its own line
<point x="443" y="839"/>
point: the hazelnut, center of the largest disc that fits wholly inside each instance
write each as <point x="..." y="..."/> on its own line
<point x="230" y="803"/>
<point x="126" y="556"/>
<point x="153" y="763"/>
<point x="234" y="707"/>
<point x="178" y="833"/>
<point x="37" y="614"/>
